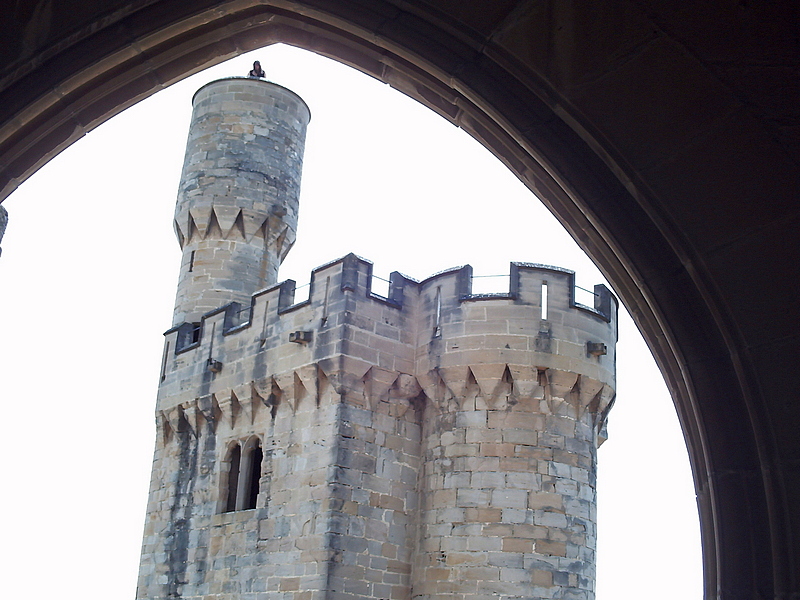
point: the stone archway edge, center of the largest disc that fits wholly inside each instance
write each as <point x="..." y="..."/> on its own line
<point x="580" y="175"/>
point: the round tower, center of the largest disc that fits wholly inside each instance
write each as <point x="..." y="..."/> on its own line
<point x="519" y="388"/>
<point x="236" y="214"/>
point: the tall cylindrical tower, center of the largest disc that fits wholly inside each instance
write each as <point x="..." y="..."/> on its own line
<point x="519" y="389"/>
<point x="236" y="214"/>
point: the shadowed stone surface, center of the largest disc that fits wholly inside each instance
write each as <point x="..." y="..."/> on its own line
<point x="664" y="135"/>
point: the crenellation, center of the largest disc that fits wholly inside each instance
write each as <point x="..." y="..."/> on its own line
<point x="487" y="321"/>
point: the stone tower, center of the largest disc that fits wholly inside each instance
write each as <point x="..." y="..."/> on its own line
<point x="236" y="215"/>
<point x="429" y="444"/>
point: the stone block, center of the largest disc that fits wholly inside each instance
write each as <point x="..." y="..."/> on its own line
<point x="519" y="545"/>
<point x="483" y="515"/>
<point x="507" y="498"/>
<point x="290" y="584"/>
<point x="490" y="479"/>
<point x="545" y="500"/>
<point x="551" y="548"/>
<point x="480" y="573"/>
<point x="471" y="419"/>
<point x="466" y="558"/>
<point x="515" y="515"/>
<point x="469" y="497"/>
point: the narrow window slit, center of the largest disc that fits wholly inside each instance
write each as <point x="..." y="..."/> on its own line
<point x="254" y="477"/>
<point x="233" y="477"/>
<point x="164" y="362"/>
<point x="544" y="300"/>
<point x="327" y="299"/>
<point x="263" y="339"/>
<point x="437" y="319"/>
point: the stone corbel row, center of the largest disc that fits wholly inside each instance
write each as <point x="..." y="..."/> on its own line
<point x="319" y="383"/>
<point x="231" y="221"/>
<point x="477" y="387"/>
<point x="243" y="402"/>
<point x="373" y="387"/>
<point x="498" y="386"/>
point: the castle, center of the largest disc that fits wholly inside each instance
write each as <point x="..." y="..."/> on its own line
<point x="430" y="443"/>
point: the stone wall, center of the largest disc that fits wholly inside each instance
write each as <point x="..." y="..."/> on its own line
<point x="432" y="443"/>
<point x="3" y="223"/>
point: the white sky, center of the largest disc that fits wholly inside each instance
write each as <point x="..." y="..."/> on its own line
<point x="87" y="283"/>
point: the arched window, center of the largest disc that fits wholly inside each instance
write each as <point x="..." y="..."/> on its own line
<point x="244" y="475"/>
<point x="253" y="477"/>
<point x="234" y="462"/>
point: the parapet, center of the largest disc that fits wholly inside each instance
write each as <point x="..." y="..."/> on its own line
<point x="427" y="324"/>
<point x="530" y="284"/>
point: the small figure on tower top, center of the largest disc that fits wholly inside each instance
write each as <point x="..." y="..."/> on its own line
<point x="257" y="71"/>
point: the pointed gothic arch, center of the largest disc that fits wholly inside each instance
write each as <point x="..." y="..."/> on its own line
<point x="688" y="268"/>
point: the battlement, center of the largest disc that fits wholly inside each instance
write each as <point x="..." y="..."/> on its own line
<point x="536" y="322"/>
<point x="355" y="274"/>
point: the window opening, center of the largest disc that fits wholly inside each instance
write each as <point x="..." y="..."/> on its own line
<point x="437" y="319"/>
<point x="233" y="477"/>
<point x="164" y="362"/>
<point x="244" y="476"/>
<point x="254" y="477"/>
<point x="544" y="300"/>
<point x="263" y="339"/>
<point x="327" y="299"/>
<point x="380" y="286"/>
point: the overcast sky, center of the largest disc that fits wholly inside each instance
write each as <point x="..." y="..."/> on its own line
<point x="88" y="275"/>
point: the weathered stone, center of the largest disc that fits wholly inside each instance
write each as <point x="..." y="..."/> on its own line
<point x="425" y="445"/>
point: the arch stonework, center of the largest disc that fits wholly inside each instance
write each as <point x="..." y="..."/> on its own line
<point x="665" y="141"/>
